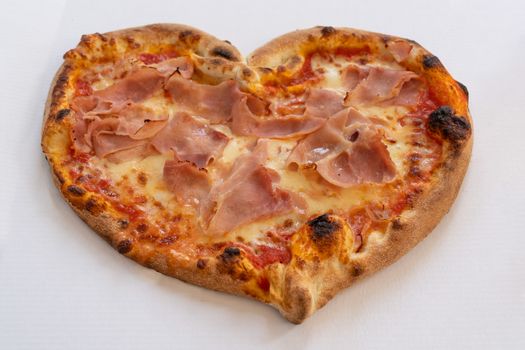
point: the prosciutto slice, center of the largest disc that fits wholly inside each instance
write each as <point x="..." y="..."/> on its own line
<point x="384" y="86"/>
<point x="190" y="139"/>
<point x="365" y="160"/>
<point x="182" y="65"/>
<point x="248" y="193"/>
<point x="323" y="103"/>
<point x="246" y="123"/>
<point x="347" y="150"/>
<point x="213" y="102"/>
<point x="189" y="184"/>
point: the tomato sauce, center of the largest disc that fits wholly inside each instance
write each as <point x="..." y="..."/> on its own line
<point x="152" y="58"/>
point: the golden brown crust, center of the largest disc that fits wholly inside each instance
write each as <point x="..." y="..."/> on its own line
<point x="323" y="260"/>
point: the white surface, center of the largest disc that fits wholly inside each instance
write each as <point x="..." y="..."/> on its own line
<point x="62" y="287"/>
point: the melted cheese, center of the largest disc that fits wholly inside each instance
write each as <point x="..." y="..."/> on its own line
<point x="318" y="194"/>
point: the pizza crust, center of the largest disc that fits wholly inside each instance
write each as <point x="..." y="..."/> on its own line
<point x="296" y="288"/>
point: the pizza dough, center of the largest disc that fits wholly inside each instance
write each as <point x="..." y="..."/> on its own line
<point x="324" y="156"/>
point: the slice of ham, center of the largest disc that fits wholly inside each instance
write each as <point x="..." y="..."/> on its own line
<point x="246" y="123"/>
<point x="411" y="94"/>
<point x="247" y="194"/>
<point x="365" y="160"/>
<point x="211" y="102"/>
<point x="400" y="49"/>
<point x="136" y="87"/>
<point x="347" y="150"/>
<point x="189" y="184"/>
<point x="323" y="103"/>
<point x="352" y="75"/>
<point x="101" y="135"/>
<point x="139" y="122"/>
<point x="110" y="135"/>
<point x="168" y="67"/>
<point x="380" y="85"/>
<point x="322" y="142"/>
<point x="190" y="139"/>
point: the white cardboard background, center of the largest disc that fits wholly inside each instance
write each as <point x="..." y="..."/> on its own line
<point x="62" y="287"/>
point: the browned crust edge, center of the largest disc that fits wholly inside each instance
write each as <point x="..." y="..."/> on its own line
<point x="298" y="300"/>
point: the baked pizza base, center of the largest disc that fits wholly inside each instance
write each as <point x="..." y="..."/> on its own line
<point x="320" y="265"/>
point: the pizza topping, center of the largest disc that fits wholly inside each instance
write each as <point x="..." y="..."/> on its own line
<point x="400" y="49"/>
<point x="211" y="102"/>
<point x="245" y="122"/>
<point x="246" y="195"/>
<point x="189" y="184"/>
<point x="182" y="65"/>
<point x="190" y="139"/>
<point x="380" y="85"/>
<point x="365" y="160"/>
<point x="320" y="143"/>
<point x="347" y="150"/>
<point x="136" y="87"/>
<point x="353" y="75"/>
<point x="129" y="130"/>
<point x="323" y="103"/>
<point x="139" y="122"/>
<point x="102" y="136"/>
<point x="151" y="58"/>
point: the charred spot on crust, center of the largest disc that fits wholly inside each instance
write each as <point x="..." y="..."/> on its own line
<point x="201" y="264"/>
<point x="58" y="175"/>
<point x="230" y="254"/>
<point x="141" y="228"/>
<point x="123" y="224"/>
<point x="168" y="239"/>
<point x="223" y="52"/>
<point x="450" y="126"/>
<point x="61" y="114"/>
<point x="75" y="190"/>
<point x="322" y="226"/>
<point x="228" y="263"/>
<point x="189" y="36"/>
<point x="463" y="87"/>
<point x="327" y="31"/>
<point x="431" y="61"/>
<point x="396" y="224"/>
<point x="357" y="270"/>
<point x="124" y="246"/>
<point x="93" y="207"/>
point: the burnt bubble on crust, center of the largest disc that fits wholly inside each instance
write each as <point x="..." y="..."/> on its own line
<point x="75" y="190"/>
<point x="124" y="246"/>
<point x="327" y="31"/>
<point x="431" y="61"/>
<point x="223" y="52"/>
<point x="230" y="254"/>
<point x="189" y="36"/>
<point x="322" y="227"/>
<point x="61" y="114"/>
<point x="463" y="87"/>
<point x="450" y="126"/>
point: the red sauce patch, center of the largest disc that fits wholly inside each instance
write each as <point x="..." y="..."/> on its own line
<point x="131" y="211"/>
<point x="349" y="52"/>
<point x="267" y="255"/>
<point x="151" y="58"/>
<point x="83" y="88"/>
<point x="263" y="283"/>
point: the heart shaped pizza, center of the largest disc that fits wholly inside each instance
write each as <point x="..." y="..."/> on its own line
<point x="287" y="176"/>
